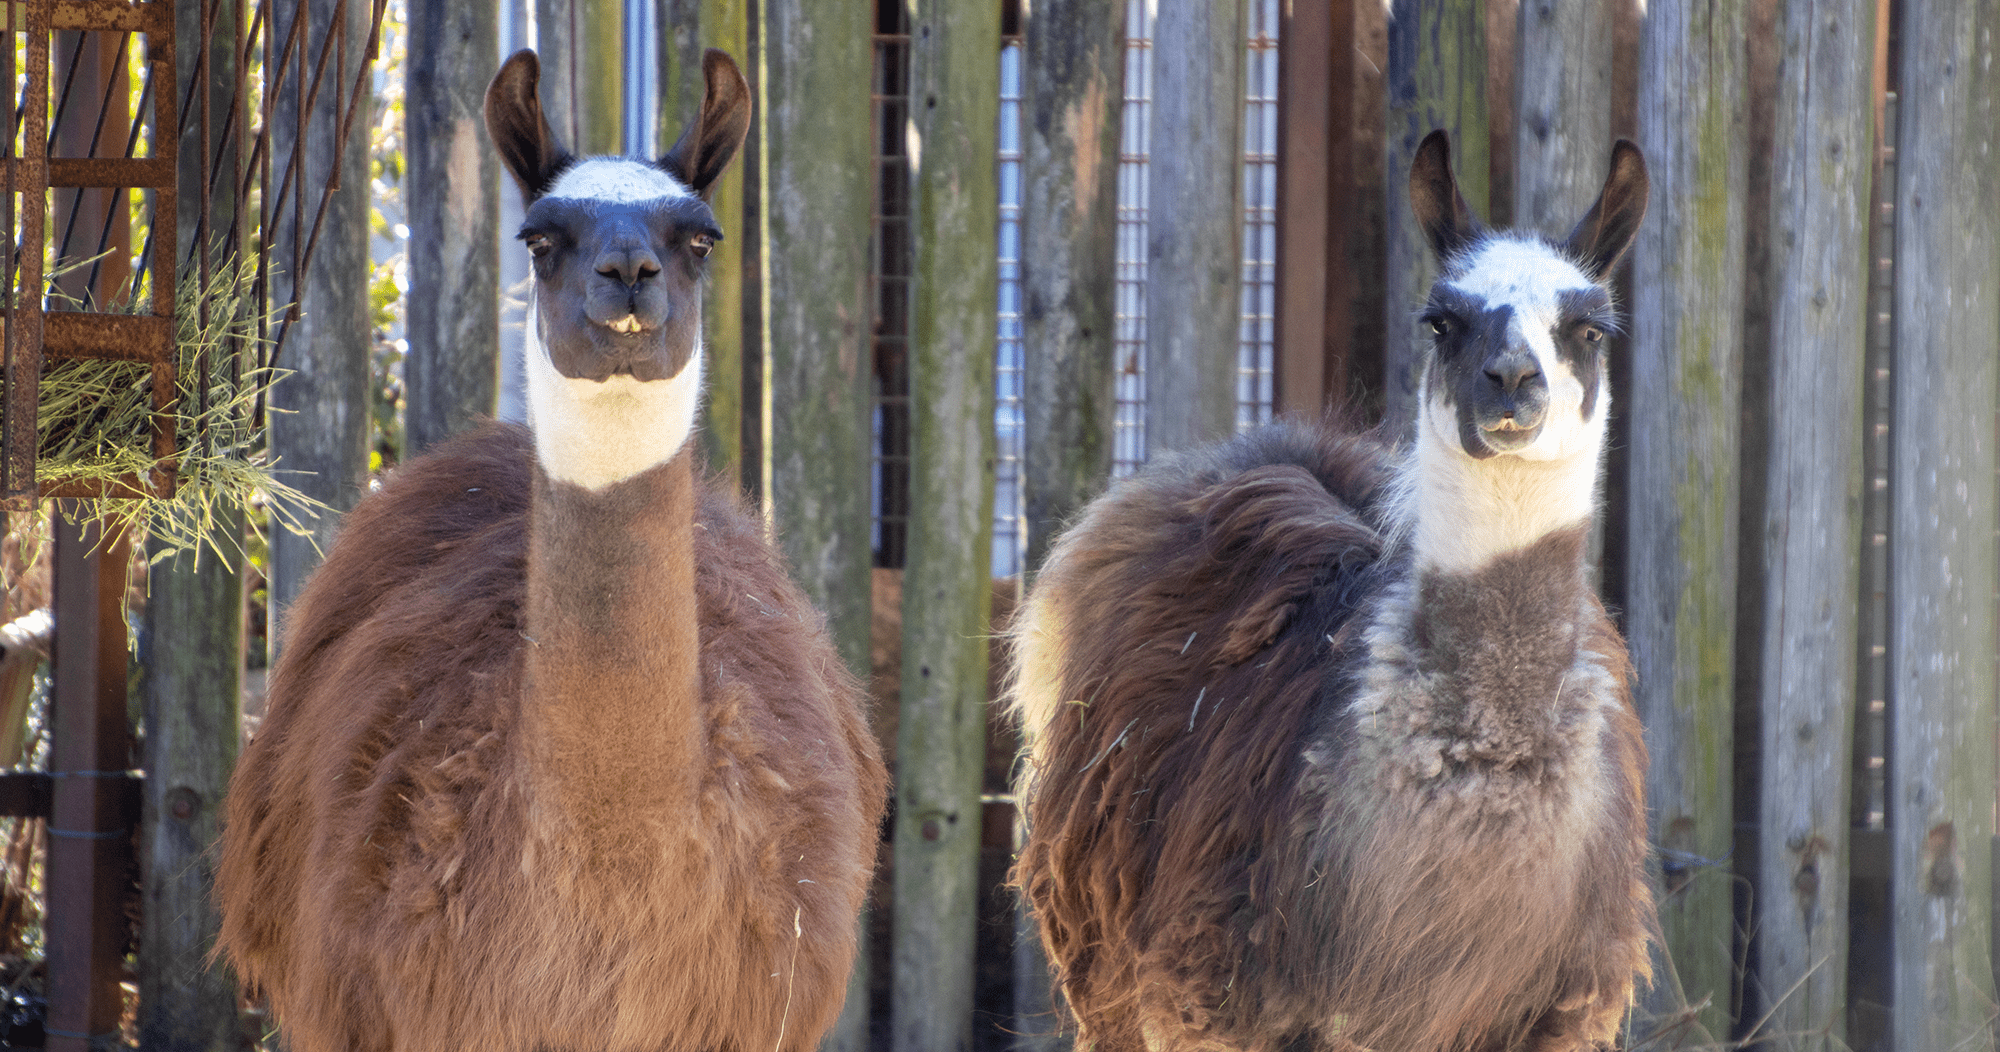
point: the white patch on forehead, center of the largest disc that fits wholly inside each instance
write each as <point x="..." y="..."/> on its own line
<point x="618" y="181"/>
<point x="1520" y="272"/>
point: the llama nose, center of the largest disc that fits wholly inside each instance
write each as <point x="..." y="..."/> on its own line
<point x="628" y="266"/>
<point x="1509" y="369"/>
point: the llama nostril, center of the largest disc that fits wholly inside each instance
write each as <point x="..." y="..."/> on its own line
<point x="628" y="268"/>
<point x="1510" y="373"/>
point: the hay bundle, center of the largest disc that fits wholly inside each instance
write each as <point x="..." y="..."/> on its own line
<point x="94" y="425"/>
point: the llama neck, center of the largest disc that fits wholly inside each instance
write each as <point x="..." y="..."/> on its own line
<point x="1461" y="514"/>
<point x="611" y="710"/>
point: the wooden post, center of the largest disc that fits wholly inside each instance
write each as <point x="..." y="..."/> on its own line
<point x="1307" y="137"/>
<point x="1194" y="235"/>
<point x="194" y="675"/>
<point x="581" y="44"/>
<point x="1562" y="110"/>
<point x="1072" y="96"/>
<point x="90" y="819"/>
<point x="1941" y="555"/>
<point x="1687" y="323"/>
<point x="814" y="73"/>
<point x="453" y="318"/>
<point x="1436" y="79"/>
<point x="319" y="423"/>
<point x="1073" y="91"/>
<point x="686" y="28"/>
<point x="194" y="635"/>
<point x="947" y="578"/>
<point x="1822" y="158"/>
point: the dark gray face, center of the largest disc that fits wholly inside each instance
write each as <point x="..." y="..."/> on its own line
<point x="618" y="279"/>
<point x="1517" y="349"/>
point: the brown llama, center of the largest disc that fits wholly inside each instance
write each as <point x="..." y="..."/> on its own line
<point x="1330" y="745"/>
<point x="557" y="757"/>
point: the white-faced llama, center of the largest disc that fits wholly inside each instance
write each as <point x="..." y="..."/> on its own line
<point x="1330" y="745"/>
<point x="557" y="757"/>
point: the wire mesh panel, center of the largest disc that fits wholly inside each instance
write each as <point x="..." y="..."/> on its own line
<point x="1129" y="318"/>
<point x="1010" y="530"/>
<point x="1257" y="345"/>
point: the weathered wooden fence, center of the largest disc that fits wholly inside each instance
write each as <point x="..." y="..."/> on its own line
<point x="1802" y="532"/>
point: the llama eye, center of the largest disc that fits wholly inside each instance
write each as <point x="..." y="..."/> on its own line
<point x="1440" y="327"/>
<point x="538" y="245"/>
<point x="1593" y="335"/>
<point x="701" y="244"/>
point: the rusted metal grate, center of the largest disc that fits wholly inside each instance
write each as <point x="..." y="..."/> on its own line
<point x="77" y="153"/>
<point x="35" y="328"/>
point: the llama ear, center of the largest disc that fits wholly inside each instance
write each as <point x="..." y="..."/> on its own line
<point x="1607" y="230"/>
<point x="706" y="146"/>
<point x="527" y="144"/>
<point x="1447" y="223"/>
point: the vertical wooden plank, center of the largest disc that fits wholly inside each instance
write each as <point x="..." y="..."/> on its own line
<point x="1687" y="316"/>
<point x="1194" y="237"/>
<point x="1562" y="110"/>
<point x="1306" y="137"/>
<point x="453" y="319"/>
<point x="89" y="830"/>
<point x="1436" y="79"/>
<point x="193" y="712"/>
<point x="1073" y="94"/>
<point x="193" y="643"/>
<point x="686" y="28"/>
<point x="1818" y="277"/>
<point x="1941" y="556"/>
<point x="947" y="582"/>
<point x="319" y="422"/>
<point x="582" y="47"/>
<point x="816" y="61"/>
<point x="1074" y="85"/>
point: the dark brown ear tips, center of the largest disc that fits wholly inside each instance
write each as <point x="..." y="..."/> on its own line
<point x="1609" y="228"/>
<point x="521" y="134"/>
<point x="706" y="147"/>
<point x="1440" y="211"/>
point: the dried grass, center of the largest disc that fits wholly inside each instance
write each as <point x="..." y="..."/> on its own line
<point x="94" y="422"/>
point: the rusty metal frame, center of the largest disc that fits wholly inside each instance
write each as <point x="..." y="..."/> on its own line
<point x="35" y="333"/>
<point x="32" y="333"/>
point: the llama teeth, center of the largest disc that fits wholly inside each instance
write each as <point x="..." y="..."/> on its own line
<point x="628" y="324"/>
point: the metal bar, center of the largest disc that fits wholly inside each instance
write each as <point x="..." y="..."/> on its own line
<point x="111" y="16"/>
<point x="304" y="264"/>
<point x="112" y="172"/>
<point x="129" y="486"/>
<point x="22" y="363"/>
<point x="146" y="338"/>
<point x="25" y="324"/>
<point x="90" y="843"/>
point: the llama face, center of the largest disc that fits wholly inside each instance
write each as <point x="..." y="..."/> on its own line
<point x="1517" y="350"/>
<point x="619" y="245"/>
<point x="618" y="273"/>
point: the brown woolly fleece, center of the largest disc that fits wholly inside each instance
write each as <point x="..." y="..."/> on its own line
<point x="513" y="796"/>
<point x="1283" y="793"/>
